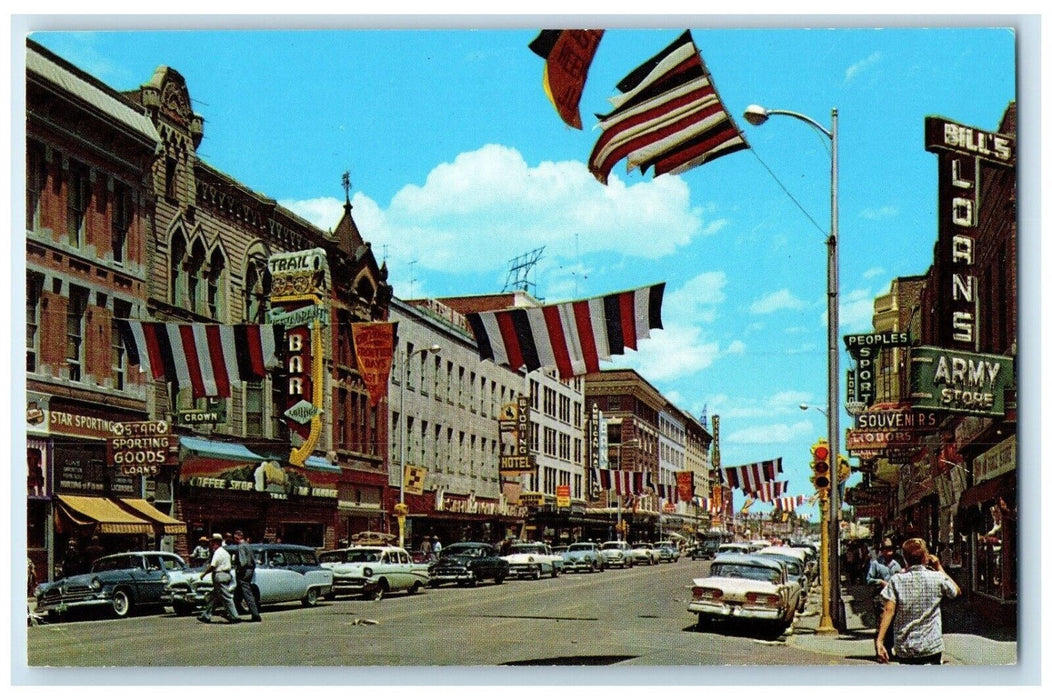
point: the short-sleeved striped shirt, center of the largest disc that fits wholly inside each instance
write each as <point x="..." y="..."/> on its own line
<point x="917" y="593"/>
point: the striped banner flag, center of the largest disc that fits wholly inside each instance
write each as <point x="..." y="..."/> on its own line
<point x="789" y="503"/>
<point x="208" y="358"/>
<point x="572" y="336"/>
<point x="669" y="116"/>
<point x="567" y="55"/>
<point x="749" y="477"/>
<point x="622" y="481"/>
<point x="771" y="490"/>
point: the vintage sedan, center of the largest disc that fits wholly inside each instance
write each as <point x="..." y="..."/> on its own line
<point x="119" y="583"/>
<point x="746" y="588"/>
<point x="533" y="560"/>
<point x="667" y="551"/>
<point x="617" y="553"/>
<point x="583" y="556"/>
<point x="284" y="573"/>
<point x="645" y="553"/>
<point x="467" y="563"/>
<point x="795" y="564"/>
<point x="373" y="572"/>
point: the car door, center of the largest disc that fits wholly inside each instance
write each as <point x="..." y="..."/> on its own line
<point x="150" y="578"/>
<point x="279" y="582"/>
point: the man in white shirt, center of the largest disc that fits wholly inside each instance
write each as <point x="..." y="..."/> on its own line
<point x="222" y="582"/>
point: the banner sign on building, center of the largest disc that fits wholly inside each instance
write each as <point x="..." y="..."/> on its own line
<point x="685" y="485"/>
<point x="864" y="347"/>
<point x="514" y="424"/>
<point x="210" y="416"/>
<point x="562" y="495"/>
<point x="141" y="448"/>
<point x="297" y="290"/>
<point x="374" y="346"/>
<point x="533" y="499"/>
<point x="960" y="382"/>
<point x="413" y="479"/>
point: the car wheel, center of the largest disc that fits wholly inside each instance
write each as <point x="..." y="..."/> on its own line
<point x="122" y="603"/>
<point x="703" y="623"/>
<point x="499" y="579"/>
<point x="537" y="575"/>
<point x="182" y="609"/>
<point x="414" y="589"/>
<point x="555" y="571"/>
<point x="381" y="589"/>
<point x="311" y="598"/>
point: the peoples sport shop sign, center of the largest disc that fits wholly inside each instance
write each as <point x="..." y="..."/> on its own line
<point x="142" y="448"/>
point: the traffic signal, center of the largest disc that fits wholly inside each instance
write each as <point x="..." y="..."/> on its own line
<point x="820" y="460"/>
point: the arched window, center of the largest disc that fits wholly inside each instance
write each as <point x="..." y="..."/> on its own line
<point x="176" y="277"/>
<point x="217" y="285"/>
<point x="194" y="274"/>
<point x="257" y="287"/>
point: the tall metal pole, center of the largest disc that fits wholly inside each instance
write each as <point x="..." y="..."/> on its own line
<point x="402" y="439"/>
<point x="834" y="381"/>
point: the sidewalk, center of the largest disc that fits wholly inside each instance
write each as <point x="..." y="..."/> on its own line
<point x="969" y="641"/>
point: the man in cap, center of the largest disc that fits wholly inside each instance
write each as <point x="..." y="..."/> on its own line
<point x="222" y="579"/>
<point x="201" y="553"/>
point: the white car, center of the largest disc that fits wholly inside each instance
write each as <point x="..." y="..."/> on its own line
<point x="617" y="553"/>
<point x="373" y="572"/>
<point x="583" y="556"/>
<point x="645" y="553"/>
<point x="747" y="588"/>
<point x="533" y="560"/>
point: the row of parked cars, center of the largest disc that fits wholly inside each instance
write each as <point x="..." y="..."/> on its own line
<point x="755" y="583"/>
<point x="125" y="582"/>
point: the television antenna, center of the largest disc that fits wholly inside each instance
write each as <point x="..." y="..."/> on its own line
<point x="519" y="269"/>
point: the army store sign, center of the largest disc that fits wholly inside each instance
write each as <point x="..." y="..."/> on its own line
<point x="962" y="382"/>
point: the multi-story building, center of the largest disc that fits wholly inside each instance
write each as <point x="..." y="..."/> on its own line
<point x="699" y="463"/>
<point x="89" y="155"/>
<point x="447" y="413"/>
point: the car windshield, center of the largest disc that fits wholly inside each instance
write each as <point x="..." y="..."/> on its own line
<point x="353" y="556"/>
<point x="581" y="547"/>
<point x="611" y="545"/>
<point x="462" y="550"/>
<point x="753" y="573"/>
<point x="526" y="549"/>
<point x="118" y="562"/>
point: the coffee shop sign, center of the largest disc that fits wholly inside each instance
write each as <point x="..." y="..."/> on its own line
<point x="949" y="380"/>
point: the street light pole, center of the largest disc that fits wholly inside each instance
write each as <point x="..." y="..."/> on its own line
<point x="401" y="510"/>
<point x="757" y="115"/>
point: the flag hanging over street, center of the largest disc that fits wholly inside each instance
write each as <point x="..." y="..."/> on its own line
<point x="572" y="336"/>
<point x="621" y="481"/>
<point x="668" y="116"/>
<point x="567" y="55"/>
<point x="771" y="490"/>
<point x="749" y="477"/>
<point x="209" y="358"/>
<point x="789" y="503"/>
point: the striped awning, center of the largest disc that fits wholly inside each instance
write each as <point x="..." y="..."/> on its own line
<point x="165" y="523"/>
<point x="110" y="518"/>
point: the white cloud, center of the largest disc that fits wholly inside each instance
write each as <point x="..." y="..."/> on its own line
<point x="776" y="301"/>
<point x="873" y="272"/>
<point x="776" y="433"/>
<point x="488" y="205"/>
<point x="866" y="63"/>
<point x="885" y="212"/>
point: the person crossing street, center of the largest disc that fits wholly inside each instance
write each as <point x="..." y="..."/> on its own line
<point x="245" y="569"/>
<point x="222" y="578"/>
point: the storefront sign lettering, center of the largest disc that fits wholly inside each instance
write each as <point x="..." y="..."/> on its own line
<point x="962" y="382"/>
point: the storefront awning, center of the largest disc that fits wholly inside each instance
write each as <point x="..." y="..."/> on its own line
<point x="110" y="518"/>
<point x="1003" y="485"/>
<point x="165" y="523"/>
<point x="321" y="464"/>
<point x="218" y="449"/>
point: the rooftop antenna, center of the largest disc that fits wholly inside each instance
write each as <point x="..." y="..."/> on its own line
<point x="519" y="269"/>
<point x="412" y="278"/>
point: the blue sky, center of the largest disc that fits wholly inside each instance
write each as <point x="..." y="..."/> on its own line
<point x="459" y="163"/>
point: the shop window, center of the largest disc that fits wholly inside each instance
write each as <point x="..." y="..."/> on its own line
<point x="75" y="331"/>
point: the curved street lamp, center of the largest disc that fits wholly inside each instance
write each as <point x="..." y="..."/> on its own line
<point x="757" y="115"/>
<point x="401" y="510"/>
<point x="805" y="407"/>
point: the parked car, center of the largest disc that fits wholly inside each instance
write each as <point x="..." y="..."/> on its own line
<point x="467" y="563"/>
<point x="284" y="573"/>
<point x="120" y="583"/>
<point x="667" y="551"/>
<point x="733" y="548"/>
<point x="532" y="560"/>
<point x="373" y="572"/>
<point x="756" y="545"/>
<point x="645" y="553"/>
<point x="617" y="553"/>
<point x="747" y="588"/>
<point x="583" y="556"/>
<point x="795" y="564"/>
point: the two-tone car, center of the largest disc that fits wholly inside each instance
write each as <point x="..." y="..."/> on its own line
<point x="746" y="588"/>
<point x="373" y="572"/>
<point x="667" y="551"/>
<point x="583" y="556"/>
<point x="532" y="560"/>
<point x="284" y="573"/>
<point x="617" y="553"/>
<point x="118" y="583"/>
<point x="467" y="563"/>
<point x="645" y="553"/>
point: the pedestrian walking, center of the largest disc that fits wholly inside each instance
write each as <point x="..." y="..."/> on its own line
<point x="201" y="553"/>
<point x="436" y="546"/>
<point x="244" y="570"/>
<point x="222" y="582"/>
<point x="912" y="608"/>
